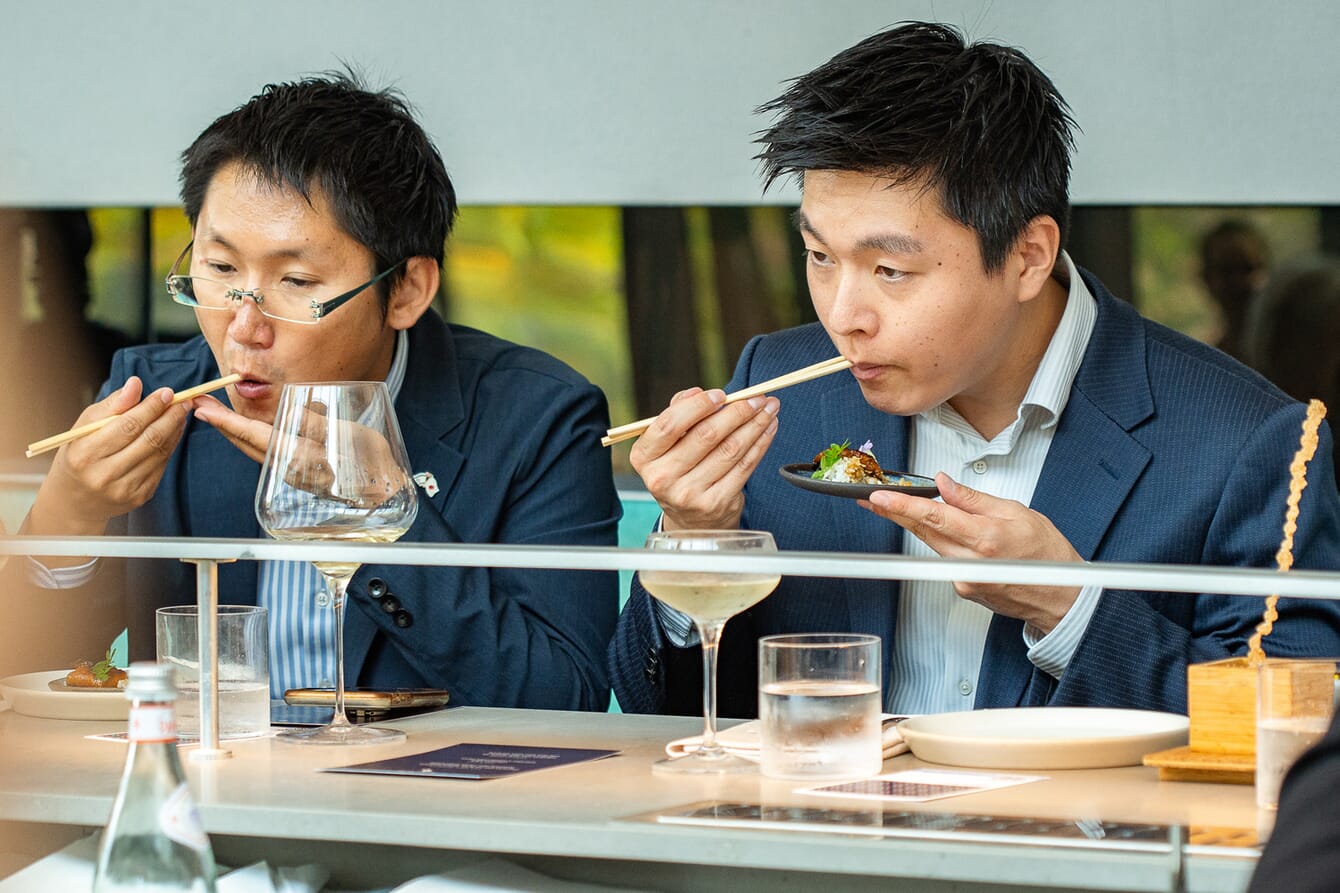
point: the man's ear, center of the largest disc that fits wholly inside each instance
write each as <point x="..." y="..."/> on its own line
<point x="1036" y="252"/>
<point x="414" y="293"/>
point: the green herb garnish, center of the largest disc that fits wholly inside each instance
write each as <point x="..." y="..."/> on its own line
<point x="828" y="457"/>
<point x="103" y="668"/>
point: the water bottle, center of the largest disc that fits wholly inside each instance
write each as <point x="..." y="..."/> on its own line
<point x="154" y="839"/>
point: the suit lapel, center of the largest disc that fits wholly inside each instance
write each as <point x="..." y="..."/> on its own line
<point x="1090" y="469"/>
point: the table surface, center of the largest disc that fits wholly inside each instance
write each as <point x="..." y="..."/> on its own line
<point x="607" y="810"/>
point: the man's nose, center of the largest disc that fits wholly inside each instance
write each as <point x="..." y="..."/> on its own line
<point x="248" y="324"/>
<point x="851" y="309"/>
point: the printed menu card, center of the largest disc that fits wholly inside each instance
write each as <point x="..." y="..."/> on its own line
<point x="477" y="761"/>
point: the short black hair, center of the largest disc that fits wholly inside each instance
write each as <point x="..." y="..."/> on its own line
<point x="362" y="149"/>
<point x="978" y="123"/>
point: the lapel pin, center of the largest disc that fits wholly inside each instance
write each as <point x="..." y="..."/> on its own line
<point x="426" y="480"/>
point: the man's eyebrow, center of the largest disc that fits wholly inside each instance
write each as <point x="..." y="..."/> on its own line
<point x="887" y="243"/>
<point x="802" y="223"/>
<point x="891" y="243"/>
<point x="278" y="253"/>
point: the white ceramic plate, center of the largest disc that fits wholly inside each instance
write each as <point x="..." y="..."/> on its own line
<point x="1043" y="737"/>
<point x="30" y="695"/>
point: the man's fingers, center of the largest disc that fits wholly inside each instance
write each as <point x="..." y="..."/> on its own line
<point x="934" y="523"/>
<point x="974" y="502"/>
<point x="248" y="435"/>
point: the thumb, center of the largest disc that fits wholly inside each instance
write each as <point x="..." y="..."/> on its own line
<point x="125" y="397"/>
<point x="962" y="497"/>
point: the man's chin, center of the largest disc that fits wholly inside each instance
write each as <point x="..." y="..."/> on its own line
<point x="887" y="401"/>
<point x="256" y="410"/>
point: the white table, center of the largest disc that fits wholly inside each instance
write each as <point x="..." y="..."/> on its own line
<point x="597" y="821"/>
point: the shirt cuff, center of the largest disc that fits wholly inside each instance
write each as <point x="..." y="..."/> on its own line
<point x="677" y="627"/>
<point x="1052" y="653"/>
<point x="71" y="577"/>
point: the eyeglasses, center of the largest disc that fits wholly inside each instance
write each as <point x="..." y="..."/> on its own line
<point x="290" y="300"/>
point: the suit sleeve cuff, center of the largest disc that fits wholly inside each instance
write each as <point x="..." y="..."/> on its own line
<point x="1051" y="653"/>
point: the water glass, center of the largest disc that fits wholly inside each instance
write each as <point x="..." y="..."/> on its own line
<point x="1294" y="702"/>
<point x="244" y="668"/>
<point x="819" y="706"/>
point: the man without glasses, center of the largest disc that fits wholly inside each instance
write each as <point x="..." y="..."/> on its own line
<point x="1058" y="423"/>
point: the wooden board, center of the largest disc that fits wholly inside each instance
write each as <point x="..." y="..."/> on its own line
<point x="1185" y="764"/>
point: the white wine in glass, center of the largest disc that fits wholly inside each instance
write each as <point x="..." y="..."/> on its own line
<point x="336" y="470"/>
<point x="710" y="598"/>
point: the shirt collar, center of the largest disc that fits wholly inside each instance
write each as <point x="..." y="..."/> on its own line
<point x="1050" y="388"/>
<point x="399" y="363"/>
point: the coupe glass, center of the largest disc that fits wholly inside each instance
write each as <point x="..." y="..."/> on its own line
<point x="710" y="598"/>
<point x="336" y="469"/>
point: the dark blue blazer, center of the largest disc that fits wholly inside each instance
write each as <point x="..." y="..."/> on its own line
<point x="1167" y="451"/>
<point x="513" y="438"/>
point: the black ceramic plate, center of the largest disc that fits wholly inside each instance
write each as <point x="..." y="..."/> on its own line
<point x="799" y="475"/>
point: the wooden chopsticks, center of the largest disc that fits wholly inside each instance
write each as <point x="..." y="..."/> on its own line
<point x="818" y="370"/>
<point x="57" y="440"/>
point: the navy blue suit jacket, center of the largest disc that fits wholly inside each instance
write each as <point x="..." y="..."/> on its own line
<point x="1167" y="451"/>
<point x="513" y="438"/>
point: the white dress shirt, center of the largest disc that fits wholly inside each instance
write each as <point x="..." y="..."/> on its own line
<point x="940" y="637"/>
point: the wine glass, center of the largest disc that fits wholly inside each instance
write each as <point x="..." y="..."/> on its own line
<point x="336" y="469"/>
<point x="710" y="598"/>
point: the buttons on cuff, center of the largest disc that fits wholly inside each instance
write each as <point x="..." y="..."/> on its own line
<point x="378" y="590"/>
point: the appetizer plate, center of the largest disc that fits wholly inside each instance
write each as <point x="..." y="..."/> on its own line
<point x="799" y="473"/>
<point x="1042" y="737"/>
<point x="32" y="695"/>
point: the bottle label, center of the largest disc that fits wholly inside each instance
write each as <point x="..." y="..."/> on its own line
<point x="152" y="724"/>
<point x="180" y="819"/>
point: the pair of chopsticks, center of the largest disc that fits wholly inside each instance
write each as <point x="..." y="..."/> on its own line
<point x="818" y="370"/>
<point x="56" y="440"/>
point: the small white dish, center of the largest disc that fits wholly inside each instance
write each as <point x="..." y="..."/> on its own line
<point x="31" y="695"/>
<point x="1043" y="737"/>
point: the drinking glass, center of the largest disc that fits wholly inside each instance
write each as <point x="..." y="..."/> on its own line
<point x="710" y="598"/>
<point x="336" y="469"/>
<point x="1295" y="698"/>
<point x="819" y="706"/>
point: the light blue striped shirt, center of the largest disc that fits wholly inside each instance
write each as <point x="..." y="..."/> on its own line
<point x="302" y="624"/>
<point x="940" y="637"/>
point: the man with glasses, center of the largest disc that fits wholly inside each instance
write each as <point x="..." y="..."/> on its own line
<point x="319" y="212"/>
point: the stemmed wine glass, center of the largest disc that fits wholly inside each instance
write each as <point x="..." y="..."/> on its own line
<point x="710" y="598"/>
<point x="336" y="469"/>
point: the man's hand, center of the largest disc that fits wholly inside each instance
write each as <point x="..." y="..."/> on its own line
<point x="368" y="483"/>
<point x="698" y="454"/>
<point x="248" y="435"/>
<point x="113" y="470"/>
<point x="972" y="524"/>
